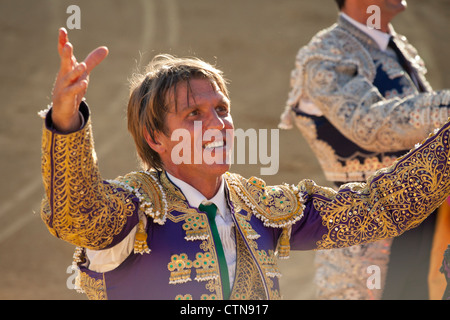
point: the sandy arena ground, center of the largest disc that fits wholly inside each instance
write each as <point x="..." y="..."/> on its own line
<point x="253" y="41"/>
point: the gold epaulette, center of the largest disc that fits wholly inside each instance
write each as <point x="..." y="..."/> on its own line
<point x="146" y="187"/>
<point x="277" y="206"/>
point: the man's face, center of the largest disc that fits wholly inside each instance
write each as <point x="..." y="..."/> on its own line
<point x="200" y="131"/>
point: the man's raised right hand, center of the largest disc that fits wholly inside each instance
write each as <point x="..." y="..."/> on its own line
<point x="71" y="84"/>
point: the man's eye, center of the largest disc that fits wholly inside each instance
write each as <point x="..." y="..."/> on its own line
<point x="193" y="113"/>
<point x="222" y="109"/>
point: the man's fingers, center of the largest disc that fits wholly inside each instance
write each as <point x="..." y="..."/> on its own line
<point x="68" y="95"/>
<point x="65" y="50"/>
<point x="95" y="57"/>
<point x="62" y="39"/>
<point x="77" y="89"/>
<point x="69" y="63"/>
<point x="70" y="78"/>
<point x="67" y="58"/>
<point x="77" y="74"/>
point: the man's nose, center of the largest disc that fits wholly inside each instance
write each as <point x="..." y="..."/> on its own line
<point x="214" y="121"/>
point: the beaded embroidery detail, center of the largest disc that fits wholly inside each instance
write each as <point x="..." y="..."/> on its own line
<point x="180" y="269"/>
<point x="277" y="206"/>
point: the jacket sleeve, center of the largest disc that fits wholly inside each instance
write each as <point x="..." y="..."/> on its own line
<point x="80" y="207"/>
<point x="393" y="200"/>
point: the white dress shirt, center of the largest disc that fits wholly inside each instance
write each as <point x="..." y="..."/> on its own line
<point x="380" y="37"/>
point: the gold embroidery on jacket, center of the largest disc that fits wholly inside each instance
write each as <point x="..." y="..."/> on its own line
<point x="196" y="227"/>
<point x="180" y="269"/>
<point x="209" y="271"/>
<point x="172" y="205"/>
<point x="248" y="284"/>
<point x="208" y="297"/>
<point x="206" y="266"/>
<point x="397" y="199"/>
<point x="277" y="206"/>
<point x="246" y="227"/>
<point x="158" y="196"/>
<point x="84" y="210"/>
<point x="269" y="263"/>
<point x="256" y="267"/>
<point x="95" y="289"/>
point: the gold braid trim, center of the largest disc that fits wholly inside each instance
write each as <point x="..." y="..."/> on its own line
<point x="95" y="289"/>
<point x="248" y="284"/>
<point x="277" y="206"/>
<point x="394" y="200"/>
<point x="79" y="207"/>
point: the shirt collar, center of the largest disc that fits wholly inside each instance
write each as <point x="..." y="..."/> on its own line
<point x="195" y="198"/>
<point x="381" y="38"/>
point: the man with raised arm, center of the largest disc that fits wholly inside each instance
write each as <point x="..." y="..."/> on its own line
<point x="195" y="230"/>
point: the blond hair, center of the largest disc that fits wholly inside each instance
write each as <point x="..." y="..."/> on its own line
<point x="148" y="104"/>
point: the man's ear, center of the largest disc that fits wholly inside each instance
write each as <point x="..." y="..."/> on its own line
<point x="155" y="143"/>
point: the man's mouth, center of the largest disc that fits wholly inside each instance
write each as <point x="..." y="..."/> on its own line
<point x="214" y="144"/>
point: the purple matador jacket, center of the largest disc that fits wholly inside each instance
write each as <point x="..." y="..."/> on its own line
<point x="174" y="253"/>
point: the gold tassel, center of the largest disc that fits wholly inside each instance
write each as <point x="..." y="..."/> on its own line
<point x="140" y="242"/>
<point x="284" y="246"/>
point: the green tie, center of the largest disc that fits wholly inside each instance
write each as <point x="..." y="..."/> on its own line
<point x="211" y="210"/>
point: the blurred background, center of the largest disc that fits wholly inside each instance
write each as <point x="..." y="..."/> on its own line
<point x="253" y="41"/>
